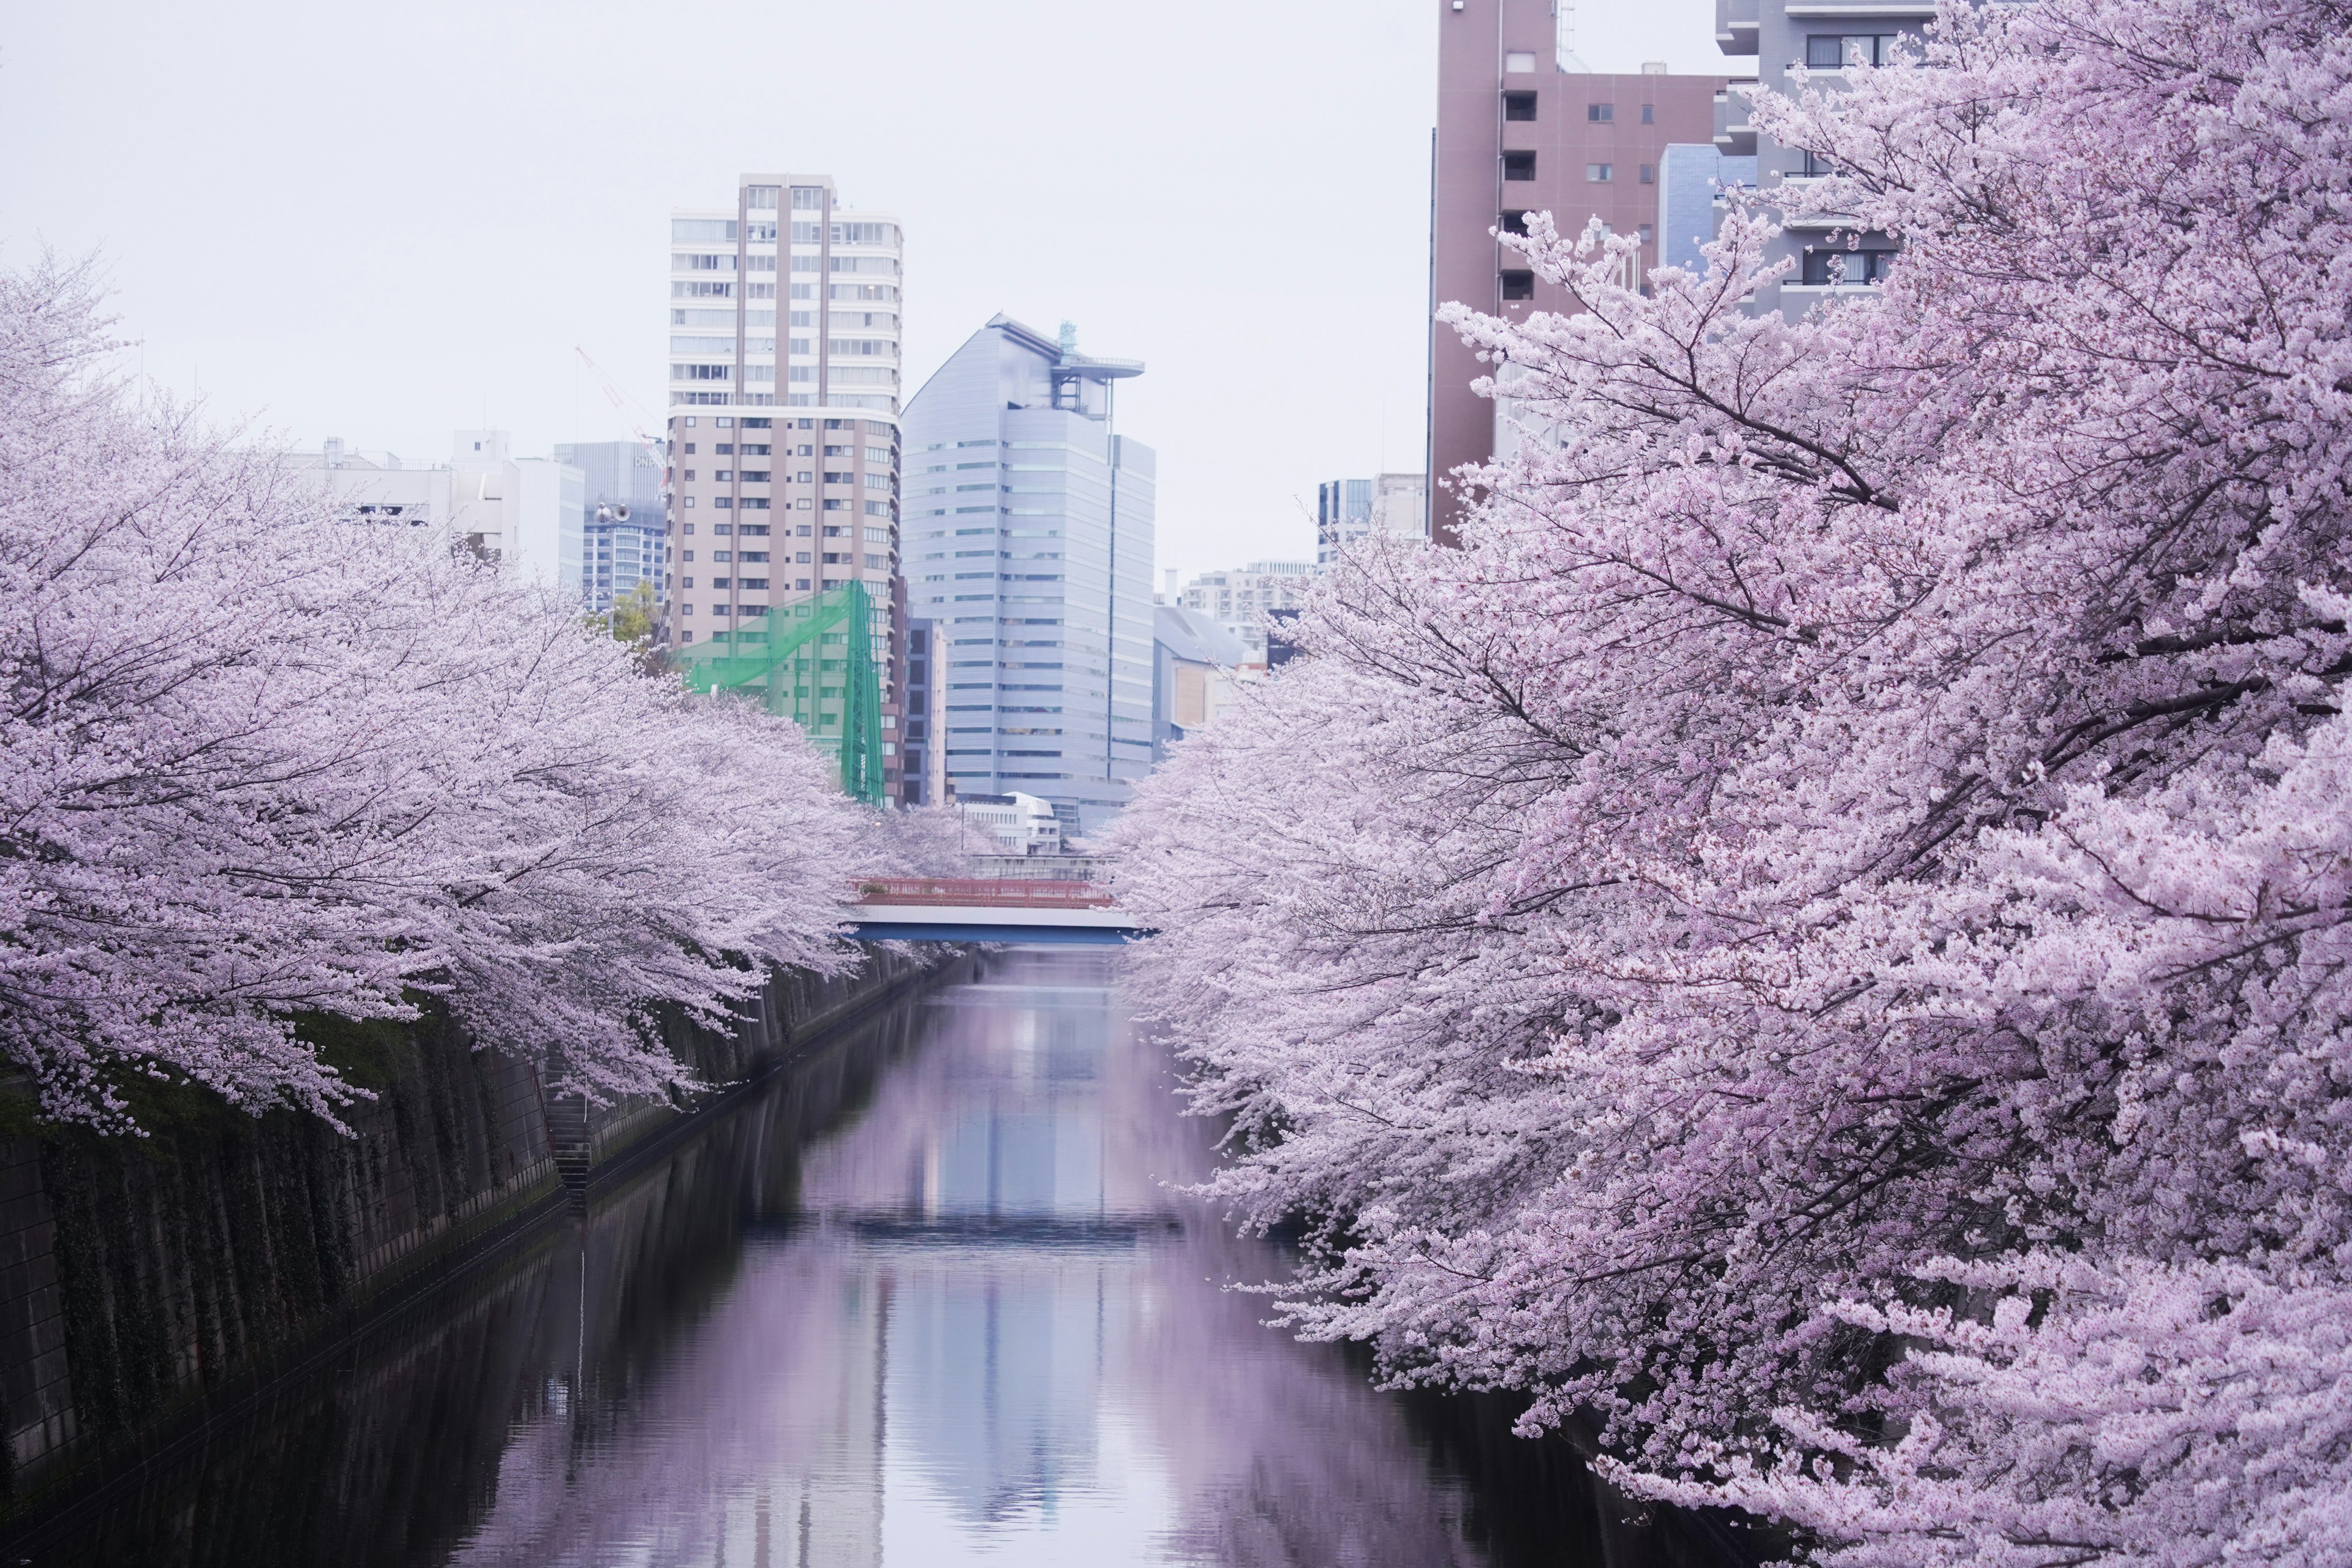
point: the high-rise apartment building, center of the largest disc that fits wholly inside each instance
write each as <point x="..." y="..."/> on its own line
<point x="1522" y="127"/>
<point x="1028" y="547"/>
<point x="1825" y="40"/>
<point x="1348" y="509"/>
<point x="622" y="531"/>
<point x="783" y="419"/>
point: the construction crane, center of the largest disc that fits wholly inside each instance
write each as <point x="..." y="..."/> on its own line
<point x="623" y="404"/>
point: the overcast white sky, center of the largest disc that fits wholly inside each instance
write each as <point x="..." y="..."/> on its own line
<point x="383" y="221"/>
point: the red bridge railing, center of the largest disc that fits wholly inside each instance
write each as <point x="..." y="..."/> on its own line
<point x="1001" y="893"/>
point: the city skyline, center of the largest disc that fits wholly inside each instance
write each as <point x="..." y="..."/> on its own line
<point x="459" y="289"/>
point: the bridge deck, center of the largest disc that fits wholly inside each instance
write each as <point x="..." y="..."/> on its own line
<point x="956" y="908"/>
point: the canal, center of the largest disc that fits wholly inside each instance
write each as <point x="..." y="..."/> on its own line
<point x="930" y="1296"/>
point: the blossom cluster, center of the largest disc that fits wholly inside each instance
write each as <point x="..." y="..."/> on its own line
<point x="1818" y="939"/>
<point x="258" y="763"/>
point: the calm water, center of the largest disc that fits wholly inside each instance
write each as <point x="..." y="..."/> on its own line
<point x="929" y="1299"/>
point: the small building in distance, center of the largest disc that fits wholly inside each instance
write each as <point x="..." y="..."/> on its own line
<point x="526" y="511"/>
<point x="1348" y="509"/>
<point x="1281" y="639"/>
<point x="1024" y="823"/>
<point x="1194" y="663"/>
<point x="622" y="520"/>
<point x="1239" y="600"/>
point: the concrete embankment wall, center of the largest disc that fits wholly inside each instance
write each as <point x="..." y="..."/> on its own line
<point x="138" y="1277"/>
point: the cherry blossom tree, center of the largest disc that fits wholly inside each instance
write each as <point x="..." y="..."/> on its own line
<point x="1862" y="821"/>
<point x="916" y="841"/>
<point x="255" y="763"/>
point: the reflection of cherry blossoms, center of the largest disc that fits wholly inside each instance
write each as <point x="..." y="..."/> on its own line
<point x="255" y="763"/>
<point x="1873" y="796"/>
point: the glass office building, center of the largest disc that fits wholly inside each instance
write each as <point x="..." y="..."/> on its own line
<point x="1027" y="540"/>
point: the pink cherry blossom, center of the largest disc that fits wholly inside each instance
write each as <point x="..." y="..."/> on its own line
<point x="257" y="762"/>
<point x="1868" y="801"/>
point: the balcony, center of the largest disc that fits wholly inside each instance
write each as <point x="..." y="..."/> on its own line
<point x="1735" y="26"/>
<point x="1735" y="132"/>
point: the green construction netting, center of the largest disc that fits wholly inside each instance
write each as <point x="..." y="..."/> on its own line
<point x="813" y="661"/>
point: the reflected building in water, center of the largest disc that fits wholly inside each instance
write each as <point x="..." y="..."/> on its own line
<point x="935" y="1296"/>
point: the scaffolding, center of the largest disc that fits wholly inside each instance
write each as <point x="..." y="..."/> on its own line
<point x="812" y="661"/>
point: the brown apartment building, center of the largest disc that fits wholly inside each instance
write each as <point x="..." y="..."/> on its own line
<point x="1522" y="128"/>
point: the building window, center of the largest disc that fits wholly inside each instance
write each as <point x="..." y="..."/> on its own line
<point x="1514" y="223"/>
<point x="1518" y="285"/>
<point x="1520" y="62"/>
<point x="1518" y="165"/>
<point x="1833" y="51"/>
<point x="1824" y="267"/>
<point x="1600" y="173"/>
<point x="1649" y="173"/>
<point x="1600" y="113"/>
<point x="1649" y="114"/>
<point x="1519" y="106"/>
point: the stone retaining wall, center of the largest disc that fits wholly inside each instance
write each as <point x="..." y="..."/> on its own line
<point x="138" y="1275"/>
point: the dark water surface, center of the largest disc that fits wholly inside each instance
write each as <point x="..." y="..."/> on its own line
<point x="926" y="1299"/>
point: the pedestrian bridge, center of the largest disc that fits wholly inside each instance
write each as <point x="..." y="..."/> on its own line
<point x="988" y="909"/>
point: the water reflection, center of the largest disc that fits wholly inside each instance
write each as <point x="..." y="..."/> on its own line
<point x="931" y="1300"/>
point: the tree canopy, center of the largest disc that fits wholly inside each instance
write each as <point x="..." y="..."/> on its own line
<point x="1819" y="936"/>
